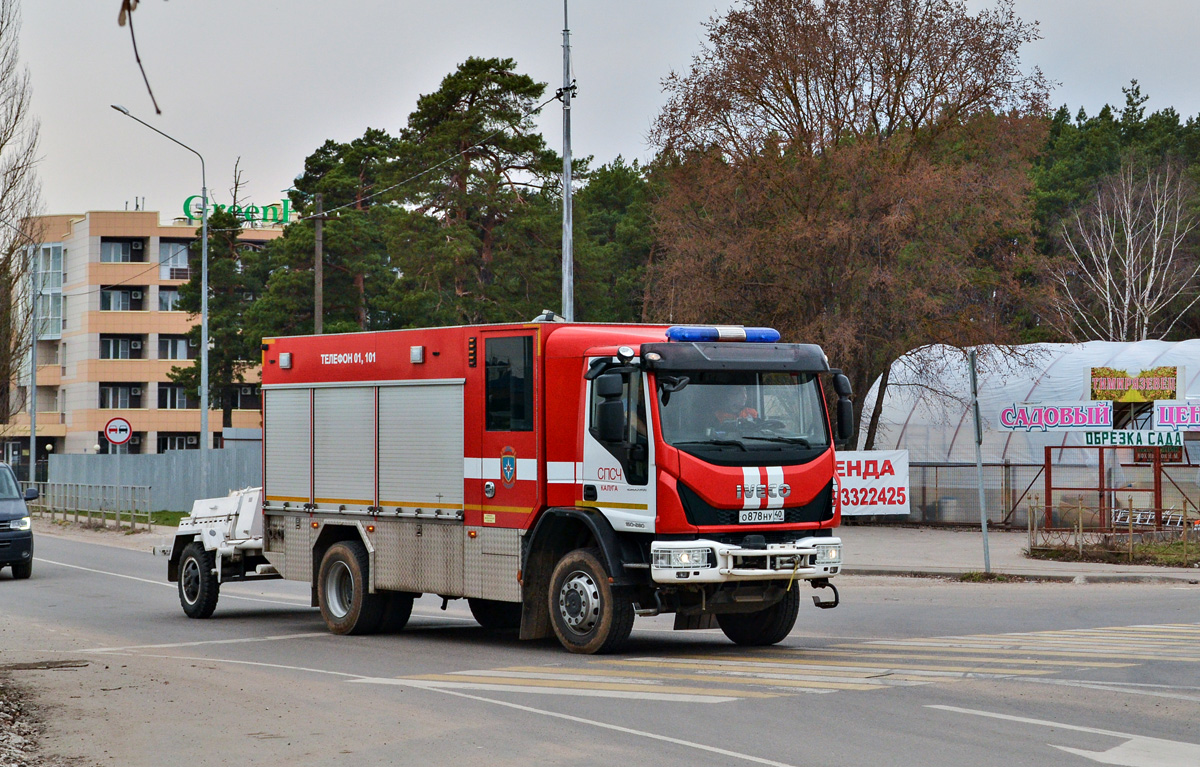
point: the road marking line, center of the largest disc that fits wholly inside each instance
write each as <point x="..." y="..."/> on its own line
<point x="817" y="665"/>
<point x="830" y="681"/>
<point x="1119" y="687"/>
<point x="477" y="678"/>
<point x="575" y="692"/>
<point x="903" y="656"/>
<point x="242" y="640"/>
<point x="352" y="677"/>
<point x="1137" y="751"/>
<point x="1024" y="649"/>
<point x="616" y="728"/>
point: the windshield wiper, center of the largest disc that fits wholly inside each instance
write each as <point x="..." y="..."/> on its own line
<point x="732" y="442"/>
<point x="788" y="440"/>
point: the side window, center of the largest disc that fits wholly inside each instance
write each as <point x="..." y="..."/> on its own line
<point x="633" y="451"/>
<point x="509" y="386"/>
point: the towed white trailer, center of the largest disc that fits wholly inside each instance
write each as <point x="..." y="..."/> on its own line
<point x="221" y="540"/>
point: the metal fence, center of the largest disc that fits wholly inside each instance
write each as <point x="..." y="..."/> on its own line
<point x="948" y="494"/>
<point x="124" y="505"/>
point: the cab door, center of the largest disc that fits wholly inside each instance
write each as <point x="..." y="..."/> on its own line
<point x="618" y="474"/>
<point x="510" y="489"/>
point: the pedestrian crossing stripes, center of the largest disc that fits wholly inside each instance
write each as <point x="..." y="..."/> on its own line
<point x="740" y="673"/>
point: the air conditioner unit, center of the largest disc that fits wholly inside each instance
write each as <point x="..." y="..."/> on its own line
<point x="135" y="440"/>
<point x="192" y="440"/>
<point x="135" y="391"/>
<point x="136" y="244"/>
<point x="135" y="344"/>
<point x="247" y="391"/>
<point x="136" y="295"/>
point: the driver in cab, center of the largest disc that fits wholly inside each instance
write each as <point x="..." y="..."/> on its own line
<point x="734" y="407"/>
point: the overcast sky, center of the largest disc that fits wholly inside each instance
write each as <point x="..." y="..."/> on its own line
<point x="270" y="80"/>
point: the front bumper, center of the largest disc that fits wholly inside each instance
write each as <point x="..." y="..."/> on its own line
<point x="15" y="547"/>
<point x="804" y="559"/>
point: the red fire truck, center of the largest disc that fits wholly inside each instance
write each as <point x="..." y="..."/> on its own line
<point x="561" y="477"/>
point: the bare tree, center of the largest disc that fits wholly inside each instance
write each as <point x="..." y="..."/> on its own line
<point x="1131" y="272"/>
<point x="20" y="200"/>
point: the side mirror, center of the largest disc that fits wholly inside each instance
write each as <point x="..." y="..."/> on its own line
<point x="845" y="420"/>
<point x="841" y="385"/>
<point x="610" y="419"/>
<point x="31" y="493"/>
<point x="609" y="385"/>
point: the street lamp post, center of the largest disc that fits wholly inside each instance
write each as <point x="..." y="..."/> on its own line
<point x="204" y="435"/>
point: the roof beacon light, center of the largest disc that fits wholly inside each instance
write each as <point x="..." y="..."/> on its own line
<point x="722" y="333"/>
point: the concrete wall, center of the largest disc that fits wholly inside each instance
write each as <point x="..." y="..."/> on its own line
<point x="173" y="477"/>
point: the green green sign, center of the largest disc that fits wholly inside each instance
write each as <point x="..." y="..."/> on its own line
<point x="193" y="208"/>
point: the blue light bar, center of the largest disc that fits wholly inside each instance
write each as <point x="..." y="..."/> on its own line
<point x="722" y="333"/>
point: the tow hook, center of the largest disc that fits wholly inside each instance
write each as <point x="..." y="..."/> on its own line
<point x="822" y="583"/>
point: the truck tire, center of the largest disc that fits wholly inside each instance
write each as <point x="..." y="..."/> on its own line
<point x="198" y="586"/>
<point x="396" y="611"/>
<point x="495" y="615"/>
<point x="764" y="627"/>
<point x="587" y="616"/>
<point x="22" y="570"/>
<point x="343" y="590"/>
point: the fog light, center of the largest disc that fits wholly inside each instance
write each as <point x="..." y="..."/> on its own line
<point x="681" y="558"/>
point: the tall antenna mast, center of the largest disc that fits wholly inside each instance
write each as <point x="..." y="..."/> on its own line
<point x="568" y="256"/>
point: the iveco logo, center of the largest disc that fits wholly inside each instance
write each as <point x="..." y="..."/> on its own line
<point x="782" y="490"/>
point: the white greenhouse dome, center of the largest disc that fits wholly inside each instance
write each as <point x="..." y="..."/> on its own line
<point x="926" y="409"/>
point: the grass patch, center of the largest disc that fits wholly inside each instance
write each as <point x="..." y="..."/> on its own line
<point x="167" y="518"/>
<point x="1168" y="554"/>
<point x="975" y="576"/>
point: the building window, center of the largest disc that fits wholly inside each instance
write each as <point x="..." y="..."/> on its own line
<point x="123" y="299"/>
<point x="173" y="261"/>
<point x="167" y="299"/>
<point x="175" y="348"/>
<point x="245" y="397"/>
<point x="121" y="347"/>
<point x="122" y="251"/>
<point x="48" y="280"/>
<point x="132" y="447"/>
<point x="175" y="397"/>
<point x="119" y="396"/>
<point x="178" y="441"/>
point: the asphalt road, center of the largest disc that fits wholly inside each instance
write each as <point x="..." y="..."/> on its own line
<point x="904" y="672"/>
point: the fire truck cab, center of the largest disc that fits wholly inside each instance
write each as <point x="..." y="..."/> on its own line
<point x="562" y="477"/>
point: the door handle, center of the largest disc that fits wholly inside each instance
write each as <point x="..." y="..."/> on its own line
<point x="489" y="489"/>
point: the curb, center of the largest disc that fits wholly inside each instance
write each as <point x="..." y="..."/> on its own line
<point x="902" y="572"/>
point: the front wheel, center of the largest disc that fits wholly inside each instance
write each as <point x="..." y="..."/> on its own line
<point x="494" y="615"/>
<point x="587" y="616"/>
<point x="343" y="592"/>
<point x="198" y="585"/>
<point x="22" y="570"/>
<point x="765" y="627"/>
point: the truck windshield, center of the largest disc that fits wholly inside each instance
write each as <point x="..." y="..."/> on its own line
<point x="741" y="417"/>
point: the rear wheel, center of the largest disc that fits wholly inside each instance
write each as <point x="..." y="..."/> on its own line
<point x="765" y="627"/>
<point x="343" y="591"/>
<point x="22" y="570"/>
<point x="396" y="611"/>
<point x="198" y="586"/>
<point x="495" y="615"/>
<point x="587" y="616"/>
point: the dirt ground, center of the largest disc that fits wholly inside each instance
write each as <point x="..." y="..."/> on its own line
<point x="140" y="539"/>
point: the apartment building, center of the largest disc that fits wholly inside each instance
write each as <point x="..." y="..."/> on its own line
<point x="109" y="331"/>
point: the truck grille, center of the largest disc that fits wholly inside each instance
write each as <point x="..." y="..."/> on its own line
<point x="701" y="513"/>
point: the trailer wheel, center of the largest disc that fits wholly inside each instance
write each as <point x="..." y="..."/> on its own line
<point x="494" y="615"/>
<point x="198" y="585"/>
<point x="396" y="611"/>
<point x="347" y="605"/>
<point x="765" y="627"/>
<point x="587" y="616"/>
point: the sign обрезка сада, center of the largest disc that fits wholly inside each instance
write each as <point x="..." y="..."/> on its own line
<point x="873" y="482"/>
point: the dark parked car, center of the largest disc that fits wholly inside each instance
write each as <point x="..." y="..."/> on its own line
<point x="16" y="533"/>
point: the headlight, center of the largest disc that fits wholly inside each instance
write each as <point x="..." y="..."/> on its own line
<point x="23" y="523"/>
<point x="681" y="558"/>
<point x="828" y="555"/>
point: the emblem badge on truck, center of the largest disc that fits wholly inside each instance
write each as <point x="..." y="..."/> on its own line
<point x="782" y="490"/>
<point x="508" y="466"/>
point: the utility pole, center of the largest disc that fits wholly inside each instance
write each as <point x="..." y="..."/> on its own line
<point x="568" y="255"/>
<point x="983" y="522"/>
<point x="33" y="291"/>
<point x="319" y="269"/>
